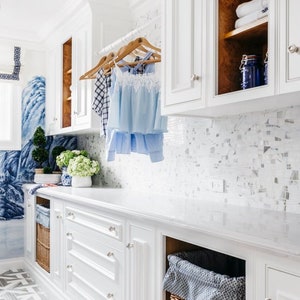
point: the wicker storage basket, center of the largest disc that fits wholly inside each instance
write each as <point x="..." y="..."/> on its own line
<point x="43" y="247"/>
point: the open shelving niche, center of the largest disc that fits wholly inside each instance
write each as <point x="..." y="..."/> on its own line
<point x="173" y="245"/>
<point x="232" y="44"/>
<point x="67" y="83"/>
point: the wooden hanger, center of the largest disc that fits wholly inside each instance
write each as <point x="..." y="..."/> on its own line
<point x="91" y="74"/>
<point x="129" y="48"/>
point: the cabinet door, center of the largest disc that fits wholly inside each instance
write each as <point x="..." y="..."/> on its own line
<point x="282" y="285"/>
<point x="82" y="89"/>
<point x="29" y="236"/>
<point x="53" y="91"/>
<point x="182" y="56"/>
<point x="140" y="262"/>
<point x="57" y="242"/>
<point x="289" y="57"/>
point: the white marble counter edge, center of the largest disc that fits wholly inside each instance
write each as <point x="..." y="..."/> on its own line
<point x="242" y="238"/>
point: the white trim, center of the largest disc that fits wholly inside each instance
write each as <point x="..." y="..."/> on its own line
<point x="12" y="263"/>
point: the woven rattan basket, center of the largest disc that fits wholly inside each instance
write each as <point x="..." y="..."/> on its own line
<point x="43" y="247"/>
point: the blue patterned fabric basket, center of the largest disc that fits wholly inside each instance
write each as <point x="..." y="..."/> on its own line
<point x="194" y="275"/>
<point x="42" y="215"/>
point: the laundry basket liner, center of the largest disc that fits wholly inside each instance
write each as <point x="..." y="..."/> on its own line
<point x="43" y="215"/>
<point x="205" y="275"/>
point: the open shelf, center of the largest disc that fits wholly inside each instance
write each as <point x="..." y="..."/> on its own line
<point x="212" y="259"/>
<point x="251" y="39"/>
<point x="259" y="28"/>
<point x="67" y="82"/>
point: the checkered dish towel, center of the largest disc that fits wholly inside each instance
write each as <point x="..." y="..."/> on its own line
<point x="192" y="282"/>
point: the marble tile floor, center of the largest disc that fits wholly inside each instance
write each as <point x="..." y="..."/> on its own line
<point x="16" y="284"/>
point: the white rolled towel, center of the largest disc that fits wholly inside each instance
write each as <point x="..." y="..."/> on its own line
<point x="249" y="7"/>
<point x="251" y="18"/>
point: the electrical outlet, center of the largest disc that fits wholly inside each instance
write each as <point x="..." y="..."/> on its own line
<point x="218" y="185"/>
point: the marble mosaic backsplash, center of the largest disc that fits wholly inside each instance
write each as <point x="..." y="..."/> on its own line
<point x="251" y="159"/>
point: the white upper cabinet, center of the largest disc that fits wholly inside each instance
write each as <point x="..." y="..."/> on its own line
<point x="289" y="46"/>
<point x="228" y="44"/>
<point x="182" y="55"/>
<point x="68" y="100"/>
<point x="74" y="49"/>
<point x="204" y="48"/>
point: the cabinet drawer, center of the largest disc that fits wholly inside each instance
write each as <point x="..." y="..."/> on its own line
<point x="86" y="282"/>
<point x="282" y="285"/>
<point x="95" y="250"/>
<point x="98" y="223"/>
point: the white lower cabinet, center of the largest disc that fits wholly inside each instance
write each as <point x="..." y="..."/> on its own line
<point x="140" y="262"/>
<point x="56" y="242"/>
<point x="281" y="285"/>
<point x="29" y="238"/>
<point x="94" y="255"/>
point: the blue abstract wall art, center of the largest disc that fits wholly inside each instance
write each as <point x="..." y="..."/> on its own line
<point x="17" y="167"/>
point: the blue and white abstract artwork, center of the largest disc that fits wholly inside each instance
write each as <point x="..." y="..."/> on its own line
<point x="17" y="167"/>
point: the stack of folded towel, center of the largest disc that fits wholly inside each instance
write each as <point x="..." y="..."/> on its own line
<point x="251" y="11"/>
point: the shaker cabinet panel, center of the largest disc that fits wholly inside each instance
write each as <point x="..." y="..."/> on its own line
<point x="140" y="262"/>
<point x="282" y="285"/>
<point x="289" y="45"/>
<point x="182" y="56"/>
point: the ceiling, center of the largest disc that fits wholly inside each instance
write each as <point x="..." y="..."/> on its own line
<point x="32" y="20"/>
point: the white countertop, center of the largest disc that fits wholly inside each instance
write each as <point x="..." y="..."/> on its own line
<point x="276" y="231"/>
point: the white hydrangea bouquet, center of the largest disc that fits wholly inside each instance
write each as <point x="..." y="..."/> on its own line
<point x="83" y="166"/>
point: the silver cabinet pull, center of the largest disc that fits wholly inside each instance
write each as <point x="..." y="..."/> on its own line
<point x="71" y="215"/>
<point x="75" y="113"/>
<point x="59" y="217"/>
<point x="130" y="245"/>
<point x="110" y="254"/>
<point x="112" y="228"/>
<point x="195" y="77"/>
<point x="69" y="235"/>
<point x="293" y="49"/>
<point x="70" y="268"/>
<point x="110" y="296"/>
<point x="268" y="299"/>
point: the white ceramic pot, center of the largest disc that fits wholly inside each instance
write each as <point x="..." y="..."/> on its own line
<point x="78" y="181"/>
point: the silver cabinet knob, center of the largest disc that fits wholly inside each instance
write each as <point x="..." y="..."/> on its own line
<point x="112" y="228"/>
<point x="195" y="77"/>
<point x="70" y="268"/>
<point x="293" y="49"/>
<point x="268" y="299"/>
<point x="130" y="245"/>
<point x="110" y="296"/>
<point x="69" y="235"/>
<point x="71" y="215"/>
<point x="110" y="254"/>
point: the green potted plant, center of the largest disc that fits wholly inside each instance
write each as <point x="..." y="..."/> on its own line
<point x="39" y="153"/>
<point x="62" y="161"/>
<point x="81" y="168"/>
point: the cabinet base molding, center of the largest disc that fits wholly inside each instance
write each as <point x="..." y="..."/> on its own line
<point x="42" y="278"/>
<point x="13" y="263"/>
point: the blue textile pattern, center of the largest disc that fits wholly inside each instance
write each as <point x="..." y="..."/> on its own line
<point x="17" y="66"/>
<point x="17" y="167"/>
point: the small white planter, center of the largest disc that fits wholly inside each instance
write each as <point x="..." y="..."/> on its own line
<point x="78" y="181"/>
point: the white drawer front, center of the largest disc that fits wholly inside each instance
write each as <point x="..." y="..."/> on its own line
<point x="93" y="249"/>
<point x="99" y="223"/>
<point x="84" y="283"/>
